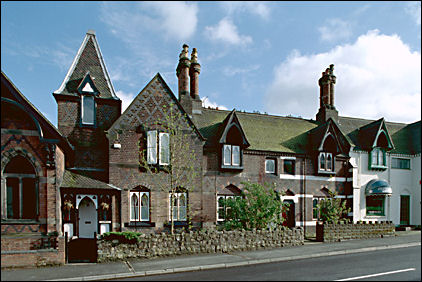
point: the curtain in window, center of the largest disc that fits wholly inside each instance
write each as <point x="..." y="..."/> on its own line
<point x="227" y="155"/>
<point x="134" y="207"/>
<point x="182" y="207"/>
<point x="329" y="162"/>
<point x="322" y="161"/>
<point x="269" y="166"/>
<point x="144" y="207"/>
<point x="88" y="109"/>
<point x="152" y="147"/>
<point x="236" y="155"/>
<point x="164" y="149"/>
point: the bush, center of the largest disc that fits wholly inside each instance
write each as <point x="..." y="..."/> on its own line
<point x="259" y="207"/>
<point x="333" y="209"/>
<point x="126" y="237"/>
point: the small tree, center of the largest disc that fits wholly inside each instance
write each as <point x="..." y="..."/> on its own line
<point x="332" y="209"/>
<point x="259" y="207"/>
<point x="181" y="163"/>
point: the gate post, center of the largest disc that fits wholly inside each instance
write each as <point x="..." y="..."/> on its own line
<point x="66" y="248"/>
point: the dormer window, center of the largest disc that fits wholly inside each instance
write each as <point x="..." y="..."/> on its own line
<point x="377" y="159"/>
<point x="88" y="109"/>
<point x="231" y="155"/>
<point x="325" y="162"/>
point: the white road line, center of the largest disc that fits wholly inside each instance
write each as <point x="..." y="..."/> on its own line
<point x="377" y="274"/>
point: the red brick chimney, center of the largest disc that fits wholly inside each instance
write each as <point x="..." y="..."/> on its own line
<point x="326" y="96"/>
<point x="182" y="72"/>
<point x="194" y="70"/>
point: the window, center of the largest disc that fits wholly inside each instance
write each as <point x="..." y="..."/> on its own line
<point x="400" y="163"/>
<point x="289" y="166"/>
<point x="139" y="206"/>
<point x="88" y="110"/>
<point x="270" y="166"/>
<point x="179" y="206"/>
<point x="325" y="162"/>
<point x="223" y="210"/>
<point x="315" y="209"/>
<point x="377" y="158"/>
<point x="375" y="205"/>
<point x="231" y="155"/>
<point x="21" y="189"/>
<point x="163" y="141"/>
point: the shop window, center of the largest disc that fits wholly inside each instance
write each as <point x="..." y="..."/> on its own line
<point x="375" y="205"/>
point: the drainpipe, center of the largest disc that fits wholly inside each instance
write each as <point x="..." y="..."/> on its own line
<point x="304" y="191"/>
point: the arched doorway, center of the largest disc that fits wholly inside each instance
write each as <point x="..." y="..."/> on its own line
<point x="290" y="214"/>
<point x="87" y="218"/>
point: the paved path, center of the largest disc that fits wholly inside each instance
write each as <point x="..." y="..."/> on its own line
<point x="143" y="267"/>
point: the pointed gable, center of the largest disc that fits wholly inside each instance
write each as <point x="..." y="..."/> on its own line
<point x="321" y="134"/>
<point x="147" y="106"/>
<point x="375" y="134"/>
<point x="229" y="123"/>
<point x="87" y="86"/>
<point x="88" y="60"/>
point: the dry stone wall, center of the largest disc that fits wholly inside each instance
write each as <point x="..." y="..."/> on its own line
<point x="200" y="242"/>
<point x="339" y="232"/>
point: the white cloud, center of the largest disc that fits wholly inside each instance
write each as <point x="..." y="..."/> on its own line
<point x="258" y="8"/>
<point x="226" y="31"/>
<point x="231" y="71"/>
<point x="174" y="20"/>
<point x="414" y="10"/>
<point x="377" y="76"/>
<point x="335" y="29"/>
<point x="126" y="98"/>
<point x="207" y="103"/>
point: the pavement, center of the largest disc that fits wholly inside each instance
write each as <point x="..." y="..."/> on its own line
<point x="146" y="267"/>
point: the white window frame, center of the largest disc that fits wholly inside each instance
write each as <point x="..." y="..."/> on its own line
<point x="225" y="197"/>
<point x="274" y="166"/>
<point x="231" y="160"/>
<point x="83" y="121"/>
<point x="178" y="208"/>
<point x="325" y="155"/>
<point x="156" y="148"/>
<point x="164" y="149"/>
<point x="139" y="195"/>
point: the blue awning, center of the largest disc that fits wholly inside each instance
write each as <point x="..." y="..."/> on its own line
<point x="378" y="187"/>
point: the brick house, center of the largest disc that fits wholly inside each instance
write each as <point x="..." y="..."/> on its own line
<point x="33" y="156"/>
<point x="103" y="188"/>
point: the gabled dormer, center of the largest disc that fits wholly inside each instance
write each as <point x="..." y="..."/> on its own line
<point x="232" y="142"/>
<point x="375" y="139"/>
<point x="327" y="143"/>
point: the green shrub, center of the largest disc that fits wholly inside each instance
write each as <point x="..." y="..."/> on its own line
<point x="332" y="209"/>
<point x="125" y="237"/>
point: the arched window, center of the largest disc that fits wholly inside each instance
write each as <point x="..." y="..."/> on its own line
<point x="179" y="200"/>
<point x="139" y="204"/>
<point x="322" y="161"/>
<point x="329" y="162"/>
<point x="21" y="189"/>
<point x="134" y="203"/>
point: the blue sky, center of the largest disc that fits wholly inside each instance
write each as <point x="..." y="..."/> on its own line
<point x="254" y="56"/>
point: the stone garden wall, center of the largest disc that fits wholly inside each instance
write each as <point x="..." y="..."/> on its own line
<point x="208" y="241"/>
<point x="339" y="232"/>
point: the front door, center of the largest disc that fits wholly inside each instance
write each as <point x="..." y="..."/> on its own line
<point x="404" y="210"/>
<point x="289" y="220"/>
<point x="87" y="218"/>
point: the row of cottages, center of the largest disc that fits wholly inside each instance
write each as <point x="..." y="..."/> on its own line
<point x="85" y="177"/>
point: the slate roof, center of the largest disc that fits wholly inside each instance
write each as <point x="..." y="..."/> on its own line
<point x="290" y="134"/>
<point x="75" y="180"/>
<point x="88" y="59"/>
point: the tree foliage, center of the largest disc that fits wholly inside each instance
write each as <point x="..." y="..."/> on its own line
<point x="332" y="209"/>
<point x="259" y="207"/>
<point x="183" y="169"/>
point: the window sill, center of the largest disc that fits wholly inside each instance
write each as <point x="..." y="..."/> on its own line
<point x="378" y="167"/>
<point x="19" y="221"/>
<point x="326" y="172"/>
<point x="177" y="224"/>
<point x="230" y="167"/>
<point x="139" y="224"/>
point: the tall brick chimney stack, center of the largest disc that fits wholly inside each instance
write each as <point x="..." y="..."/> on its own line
<point x="326" y="96"/>
<point x="182" y="72"/>
<point x="194" y="70"/>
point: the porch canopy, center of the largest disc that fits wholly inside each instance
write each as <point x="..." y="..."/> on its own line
<point x="378" y="187"/>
